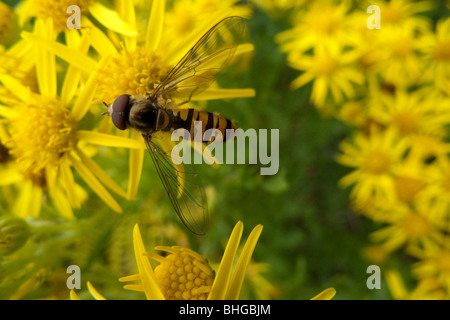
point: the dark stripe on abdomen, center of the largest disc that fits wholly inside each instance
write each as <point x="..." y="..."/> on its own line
<point x="184" y="118"/>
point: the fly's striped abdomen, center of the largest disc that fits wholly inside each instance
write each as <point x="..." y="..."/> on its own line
<point x="186" y="118"/>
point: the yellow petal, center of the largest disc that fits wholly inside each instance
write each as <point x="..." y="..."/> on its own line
<point x="59" y="199"/>
<point x="133" y="277"/>
<point x="151" y="289"/>
<point x="126" y="11"/>
<point x="73" y="74"/>
<point x="221" y="282"/>
<point x="10" y="176"/>
<point x="29" y="201"/>
<point x="62" y="203"/>
<point x="73" y="295"/>
<point x="241" y="267"/>
<point x="99" y="41"/>
<point x="214" y="94"/>
<point x="101" y="174"/>
<point x="86" y="95"/>
<point x="136" y="164"/>
<point x="68" y="183"/>
<point x="111" y="19"/>
<point x="50" y="179"/>
<point x="155" y="25"/>
<point x="134" y="287"/>
<point x="109" y="140"/>
<point x="185" y="44"/>
<point x="95" y="185"/>
<point x="244" y="48"/>
<point x="80" y="61"/>
<point x="94" y="292"/>
<point x="46" y="66"/>
<point x="21" y="51"/>
<point x="24" y="10"/>
<point x="14" y="85"/>
<point x="327" y="294"/>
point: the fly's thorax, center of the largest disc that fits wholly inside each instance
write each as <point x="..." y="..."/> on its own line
<point x="145" y="116"/>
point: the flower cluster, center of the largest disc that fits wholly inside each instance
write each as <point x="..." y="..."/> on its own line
<point x="61" y="172"/>
<point x="186" y="275"/>
<point x="386" y="74"/>
<point x="53" y="79"/>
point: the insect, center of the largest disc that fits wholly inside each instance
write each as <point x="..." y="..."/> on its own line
<point x="158" y="115"/>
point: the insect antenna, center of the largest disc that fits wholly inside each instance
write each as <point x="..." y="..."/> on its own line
<point x="106" y="105"/>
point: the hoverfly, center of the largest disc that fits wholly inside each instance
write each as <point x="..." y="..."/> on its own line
<point x="157" y="114"/>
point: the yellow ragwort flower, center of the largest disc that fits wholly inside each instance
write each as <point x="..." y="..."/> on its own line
<point x="435" y="47"/>
<point x="188" y="15"/>
<point x="43" y="137"/>
<point x="134" y="65"/>
<point x="57" y="11"/>
<point x="401" y="13"/>
<point x="320" y="21"/>
<point x="375" y="159"/>
<point x="434" y="264"/>
<point x="332" y="71"/>
<point x="406" y="225"/>
<point x="184" y="274"/>
<point x="425" y="290"/>
<point x="411" y="113"/>
<point x="402" y="65"/>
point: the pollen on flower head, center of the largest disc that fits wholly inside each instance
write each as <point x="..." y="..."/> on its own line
<point x="41" y="134"/>
<point x="377" y="162"/>
<point x="326" y="65"/>
<point x="57" y="10"/>
<point x="184" y="275"/>
<point x="130" y="72"/>
<point x="416" y="225"/>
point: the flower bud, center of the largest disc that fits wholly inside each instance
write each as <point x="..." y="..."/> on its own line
<point x="14" y="232"/>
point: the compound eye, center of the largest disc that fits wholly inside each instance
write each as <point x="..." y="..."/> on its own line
<point x="120" y="111"/>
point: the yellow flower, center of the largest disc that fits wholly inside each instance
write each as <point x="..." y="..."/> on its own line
<point x="435" y="47"/>
<point x="353" y="113"/>
<point x="411" y="113"/>
<point x="332" y="71"/>
<point x="322" y="21"/>
<point x="44" y="140"/>
<point x="184" y="274"/>
<point x="376" y="254"/>
<point x="425" y="290"/>
<point x="402" y="65"/>
<point x="375" y="158"/>
<point x="188" y="15"/>
<point x="400" y="13"/>
<point x="438" y="187"/>
<point x="428" y="149"/>
<point x="134" y="65"/>
<point x="57" y="11"/>
<point x="407" y="225"/>
<point x="434" y="264"/>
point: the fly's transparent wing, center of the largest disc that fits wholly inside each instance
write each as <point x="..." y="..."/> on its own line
<point x="184" y="188"/>
<point x="199" y="67"/>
